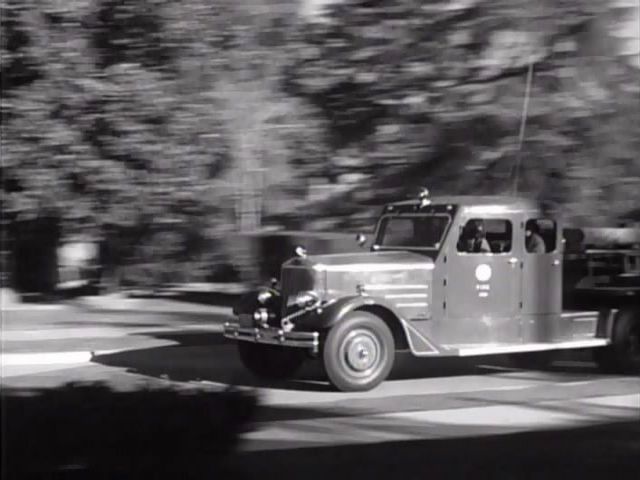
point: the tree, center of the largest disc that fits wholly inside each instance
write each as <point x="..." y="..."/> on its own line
<point x="434" y="94"/>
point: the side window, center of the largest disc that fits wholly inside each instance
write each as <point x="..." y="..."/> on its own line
<point x="486" y="236"/>
<point x="540" y="235"/>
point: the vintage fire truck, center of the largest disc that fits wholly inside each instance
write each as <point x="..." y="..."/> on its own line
<point x="445" y="276"/>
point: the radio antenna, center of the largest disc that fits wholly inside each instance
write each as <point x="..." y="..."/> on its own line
<point x="523" y="125"/>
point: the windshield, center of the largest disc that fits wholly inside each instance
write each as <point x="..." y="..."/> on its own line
<point x="412" y="231"/>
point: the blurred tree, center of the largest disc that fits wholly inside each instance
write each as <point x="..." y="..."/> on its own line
<point x="433" y="93"/>
<point x="165" y="129"/>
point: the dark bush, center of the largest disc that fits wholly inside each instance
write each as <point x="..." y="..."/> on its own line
<point x="93" y="430"/>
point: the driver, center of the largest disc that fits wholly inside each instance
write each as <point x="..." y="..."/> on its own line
<point x="473" y="238"/>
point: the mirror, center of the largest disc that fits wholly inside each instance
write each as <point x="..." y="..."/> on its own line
<point x="361" y="239"/>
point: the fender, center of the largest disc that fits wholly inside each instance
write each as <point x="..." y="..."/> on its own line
<point x="403" y="332"/>
<point x="335" y="312"/>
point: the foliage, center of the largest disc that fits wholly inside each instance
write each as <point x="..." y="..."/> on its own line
<point x="133" y="124"/>
<point x="101" y="432"/>
<point x="164" y="128"/>
<point x="433" y="92"/>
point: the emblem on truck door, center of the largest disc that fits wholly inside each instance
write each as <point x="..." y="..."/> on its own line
<point x="483" y="272"/>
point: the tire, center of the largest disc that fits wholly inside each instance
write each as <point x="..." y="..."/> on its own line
<point x="270" y="362"/>
<point x="623" y="355"/>
<point x="358" y="352"/>
<point x="532" y="360"/>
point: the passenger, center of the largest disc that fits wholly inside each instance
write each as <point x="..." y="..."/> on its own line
<point x="473" y="239"/>
<point x="533" y="241"/>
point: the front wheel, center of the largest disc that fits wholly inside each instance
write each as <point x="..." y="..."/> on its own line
<point x="270" y="362"/>
<point x="623" y="355"/>
<point x="358" y="352"/>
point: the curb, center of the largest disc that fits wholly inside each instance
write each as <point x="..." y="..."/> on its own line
<point x="46" y="358"/>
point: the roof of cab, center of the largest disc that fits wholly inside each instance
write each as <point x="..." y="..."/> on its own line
<point x="503" y="201"/>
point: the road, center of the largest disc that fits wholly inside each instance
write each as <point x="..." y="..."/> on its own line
<point x="425" y="400"/>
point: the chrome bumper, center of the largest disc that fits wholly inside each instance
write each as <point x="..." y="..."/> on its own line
<point x="273" y="336"/>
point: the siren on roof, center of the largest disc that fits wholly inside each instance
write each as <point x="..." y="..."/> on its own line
<point x="424" y="197"/>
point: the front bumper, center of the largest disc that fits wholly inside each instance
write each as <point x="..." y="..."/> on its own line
<point x="273" y="336"/>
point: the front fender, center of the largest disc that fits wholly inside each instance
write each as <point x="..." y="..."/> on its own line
<point x="404" y="333"/>
<point x="333" y="313"/>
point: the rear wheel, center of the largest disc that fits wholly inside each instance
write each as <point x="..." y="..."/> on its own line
<point x="358" y="352"/>
<point x="270" y="361"/>
<point x="623" y="355"/>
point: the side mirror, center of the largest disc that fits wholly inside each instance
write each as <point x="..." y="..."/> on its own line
<point x="361" y="239"/>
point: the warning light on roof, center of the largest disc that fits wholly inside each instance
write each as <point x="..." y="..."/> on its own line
<point x="424" y="198"/>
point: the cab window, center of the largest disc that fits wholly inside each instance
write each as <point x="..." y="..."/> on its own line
<point x="486" y="236"/>
<point x="540" y="236"/>
<point x="413" y="231"/>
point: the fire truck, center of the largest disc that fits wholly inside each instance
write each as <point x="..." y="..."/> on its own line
<point x="455" y="276"/>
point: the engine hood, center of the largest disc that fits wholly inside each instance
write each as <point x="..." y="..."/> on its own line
<point x="370" y="262"/>
<point x="401" y="279"/>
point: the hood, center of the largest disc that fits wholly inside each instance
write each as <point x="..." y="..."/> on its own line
<point x="370" y="262"/>
<point x="402" y="279"/>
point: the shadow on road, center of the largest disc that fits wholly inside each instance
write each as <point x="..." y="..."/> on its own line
<point x="209" y="357"/>
<point x="90" y="431"/>
<point x="603" y="452"/>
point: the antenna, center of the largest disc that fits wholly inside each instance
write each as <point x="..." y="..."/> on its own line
<point x="523" y="124"/>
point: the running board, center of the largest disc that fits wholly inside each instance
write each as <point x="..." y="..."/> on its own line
<point x="530" y="347"/>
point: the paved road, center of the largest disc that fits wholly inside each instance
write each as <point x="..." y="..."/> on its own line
<point x="424" y="399"/>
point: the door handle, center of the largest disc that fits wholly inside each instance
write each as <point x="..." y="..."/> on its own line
<point x="513" y="261"/>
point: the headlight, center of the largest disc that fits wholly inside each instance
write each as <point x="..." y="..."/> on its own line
<point x="264" y="296"/>
<point x="306" y="299"/>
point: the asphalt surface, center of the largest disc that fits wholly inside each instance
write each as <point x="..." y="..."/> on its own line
<point x="442" y="418"/>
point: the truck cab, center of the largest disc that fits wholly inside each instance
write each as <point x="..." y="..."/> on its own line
<point x="444" y="276"/>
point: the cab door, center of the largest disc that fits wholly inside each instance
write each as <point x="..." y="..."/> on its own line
<point x="542" y="282"/>
<point x="483" y="288"/>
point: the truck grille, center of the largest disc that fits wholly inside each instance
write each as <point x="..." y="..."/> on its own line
<point x="295" y="279"/>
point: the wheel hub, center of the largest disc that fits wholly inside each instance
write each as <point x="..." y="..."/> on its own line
<point x="362" y="351"/>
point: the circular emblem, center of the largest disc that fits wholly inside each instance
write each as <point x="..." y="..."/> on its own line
<point x="483" y="272"/>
